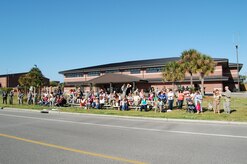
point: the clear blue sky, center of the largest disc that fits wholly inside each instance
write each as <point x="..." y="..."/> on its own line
<point x="57" y="35"/>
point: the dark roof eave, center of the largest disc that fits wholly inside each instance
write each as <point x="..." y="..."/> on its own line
<point x="13" y="74"/>
<point x="235" y="65"/>
<point x="195" y="79"/>
<point x="220" y="60"/>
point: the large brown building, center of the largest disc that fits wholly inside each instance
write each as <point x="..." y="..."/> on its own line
<point x="11" y="80"/>
<point x="145" y="74"/>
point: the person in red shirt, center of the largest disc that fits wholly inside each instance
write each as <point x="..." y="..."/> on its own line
<point x="180" y="99"/>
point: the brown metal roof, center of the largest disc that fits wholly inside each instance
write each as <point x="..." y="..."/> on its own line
<point x="114" y="78"/>
<point x="131" y="64"/>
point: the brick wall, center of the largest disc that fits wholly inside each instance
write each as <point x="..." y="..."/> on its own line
<point x="3" y="81"/>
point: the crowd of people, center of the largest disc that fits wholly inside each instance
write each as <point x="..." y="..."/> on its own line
<point x="163" y="100"/>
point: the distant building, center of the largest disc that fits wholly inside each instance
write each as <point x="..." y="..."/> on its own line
<point x="146" y="74"/>
<point x="11" y="80"/>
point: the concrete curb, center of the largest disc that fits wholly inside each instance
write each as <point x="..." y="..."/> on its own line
<point x="139" y="118"/>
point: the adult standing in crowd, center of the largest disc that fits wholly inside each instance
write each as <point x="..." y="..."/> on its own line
<point x="170" y="98"/>
<point x="162" y="96"/>
<point x="217" y="97"/>
<point x="11" y="95"/>
<point x="29" y="98"/>
<point x="20" y="97"/>
<point x="180" y="99"/>
<point x="198" y="100"/>
<point x="5" y="95"/>
<point x="227" y="100"/>
<point x="124" y="89"/>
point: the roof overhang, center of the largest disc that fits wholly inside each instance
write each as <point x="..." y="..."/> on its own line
<point x="114" y="78"/>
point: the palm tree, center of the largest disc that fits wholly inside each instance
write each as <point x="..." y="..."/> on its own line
<point x="173" y="72"/>
<point x="188" y="62"/>
<point x="205" y="66"/>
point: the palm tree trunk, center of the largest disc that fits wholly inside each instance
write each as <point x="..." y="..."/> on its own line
<point x="191" y="80"/>
<point x="202" y="85"/>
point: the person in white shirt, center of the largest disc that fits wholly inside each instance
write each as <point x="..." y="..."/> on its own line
<point x="198" y="99"/>
<point x="170" y="97"/>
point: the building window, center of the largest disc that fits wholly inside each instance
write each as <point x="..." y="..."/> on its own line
<point x="126" y="70"/>
<point x="111" y="71"/>
<point x="135" y="71"/>
<point x="69" y="75"/>
<point x="154" y="70"/>
<point x="96" y="73"/>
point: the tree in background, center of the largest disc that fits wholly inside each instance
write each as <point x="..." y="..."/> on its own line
<point x="173" y="72"/>
<point x="33" y="78"/>
<point x="204" y="66"/>
<point x="243" y="78"/>
<point x="37" y="78"/>
<point x="54" y="83"/>
<point x="243" y="82"/>
<point x="188" y="62"/>
<point x="25" y="81"/>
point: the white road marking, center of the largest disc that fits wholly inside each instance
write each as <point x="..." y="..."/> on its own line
<point x="131" y="128"/>
<point x="140" y="119"/>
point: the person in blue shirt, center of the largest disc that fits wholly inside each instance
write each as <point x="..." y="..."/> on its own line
<point x="162" y="96"/>
<point x="143" y="104"/>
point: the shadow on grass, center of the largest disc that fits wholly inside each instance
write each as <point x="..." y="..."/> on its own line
<point x="223" y="111"/>
<point x="232" y="111"/>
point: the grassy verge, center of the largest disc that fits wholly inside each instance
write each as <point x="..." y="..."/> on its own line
<point x="238" y="106"/>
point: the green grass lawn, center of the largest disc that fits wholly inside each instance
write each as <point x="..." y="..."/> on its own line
<point x="238" y="107"/>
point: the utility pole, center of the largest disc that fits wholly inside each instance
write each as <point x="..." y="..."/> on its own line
<point x="238" y="89"/>
<point x="7" y="84"/>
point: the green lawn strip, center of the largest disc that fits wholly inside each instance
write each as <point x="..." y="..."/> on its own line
<point x="238" y="106"/>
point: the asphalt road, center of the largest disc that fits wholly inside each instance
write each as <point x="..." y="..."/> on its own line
<point x="28" y="137"/>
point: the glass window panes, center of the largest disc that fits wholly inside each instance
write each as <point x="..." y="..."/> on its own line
<point x="68" y="75"/>
<point x="111" y="71"/>
<point x="153" y="70"/>
<point x="135" y="71"/>
<point x="93" y="73"/>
